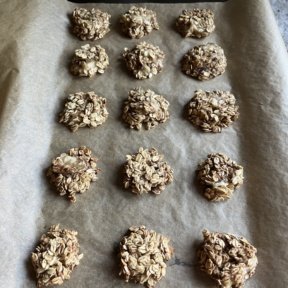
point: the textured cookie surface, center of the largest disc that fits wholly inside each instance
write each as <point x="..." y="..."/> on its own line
<point x="56" y="256"/>
<point x="84" y="109"/>
<point x="144" y="60"/>
<point x="89" y="60"/>
<point x="196" y="23"/>
<point x="90" y="24"/>
<point x="146" y="171"/>
<point x="204" y="62"/>
<point x="145" y="108"/>
<point x="143" y="256"/>
<point x="138" y="22"/>
<point x="220" y="176"/>
<point x="228" y="259"/>
<point x="211" y="111"/>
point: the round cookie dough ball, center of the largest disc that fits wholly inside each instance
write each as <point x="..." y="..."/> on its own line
<point x="196" y="23"/>
<point x="144" y="60"/>
<point x="145" y="108"/>
<point x="146" y="171"/>
<point x="204" y="62"/>
<point x="138" y="22"/>
<point x="228" y="259"/>
<point x="143" y="256"/>
<point x="84" y="109"/>
<point x="89" y="60"/>
<point x="73" y="172"/>
<point x="90" y="24"/>
<point x="56" y="256"/>
<point x="212" y="110"/>
<point x="220" y="176"/>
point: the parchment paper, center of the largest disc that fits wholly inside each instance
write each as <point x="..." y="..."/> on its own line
<point x="35" y="50"/>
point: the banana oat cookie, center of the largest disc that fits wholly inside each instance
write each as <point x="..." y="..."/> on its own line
<point x="138" y="22"/>
<point x="144" y="60"/>
<point x="90" y="24"/>
<point x="220" y="176"/>
<point x="228" y="259"/>
<point x="89" y="60"/>
<point x="196" y="23"/>
<point x="84" y="109"/>
<point x="73" y="172"/>
<point x="143" y="256"/>
<point x="204" y="62"/>
<point x="56" y="256"/>
<point x="145" y="108"/>
<point x="212" y="110"/>
<point x="146" y="171"/>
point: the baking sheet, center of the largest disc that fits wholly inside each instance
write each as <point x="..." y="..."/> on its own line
<point x="35" y="50"/>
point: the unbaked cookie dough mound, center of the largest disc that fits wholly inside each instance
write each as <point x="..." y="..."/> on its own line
<point x="146" y="171"/>
<point x="196" y="23"/>
<point x="73" y="172"/>
<point x="220" y="176"/>
<point x="90" y="24"/>
<point x="228" y="259"/>
<point x="84" y="109"/>
<point x="138" y="22"/>
<point x="143" y="256"/>
<point x="145" y="108"/>
<point x="144" y="60"/>
<point x="212" y="110"/>
<point x="204" y="62"/>
<point x="56" y="256"/>
<point x="89" y="60"/>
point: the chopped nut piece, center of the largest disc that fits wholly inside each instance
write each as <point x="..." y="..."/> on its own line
<point x="90" y="24"/>
<point x="197" y="23"/>
<point x="220" y="176"/>
<point x="138" y="22"/>
<point x="227" y="259"/>
<point x="56" y="256"/>
<point x="73" y="172"/>
<point x="144" y="61"/>
<point x="89" y="60"/>
<point x="143" y="255"/>
<point x="212" y="111"/>
<point x="146" y="171"/>
<point x="84" y="109"/>
<point x="204" y="62"/>
<point x="145" y="108"/>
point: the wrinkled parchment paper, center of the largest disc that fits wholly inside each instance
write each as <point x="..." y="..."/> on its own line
<point x="35" y="50"/>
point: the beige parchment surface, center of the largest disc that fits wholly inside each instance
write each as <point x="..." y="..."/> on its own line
<point x="35" y="51"/>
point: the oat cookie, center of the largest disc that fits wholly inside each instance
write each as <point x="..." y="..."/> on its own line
<point x="220" y="176"/>
<point x="73" y="172"/>
<point x="145" y="108"/>
<point x="56" y="256"/>
<point x="212" y="110"/>
<point x="144" y="60"/>
<point x="138" y="22"/>
<point x="228" y="259"/>
<point x="89" y="60"/>
<point x="196" y="23"/>
<point x="90" y="24"/>
<point x="204" y="62"/>
<point x="84" y="109"/>
<point x="146" y="171"/>
<point x="143" y="256"/>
